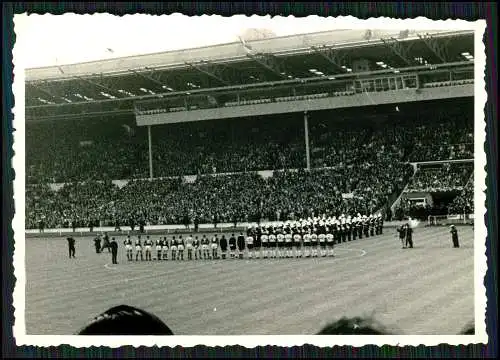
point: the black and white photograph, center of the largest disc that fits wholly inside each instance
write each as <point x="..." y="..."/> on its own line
<point x="239" y="178"/>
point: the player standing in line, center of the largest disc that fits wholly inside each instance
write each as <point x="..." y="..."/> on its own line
<point x="180" y="248"/>
<point x="158" y="243"/>
<point x="354" y="228"/>
<point x="173" y="248"/>
<point x="330" y="242"/>
<point x="264" y="238"/>
<point x="189" y="247"/>
<point x="257" y="244"/>
<point x="322" y="244"/>
<point x="377" y="225"/>
<point x="348" y="229"/>
<point x="205" y="247"/>
<point x="128" y="248"/>
<point x="281" y="244"/>
<point x="223" y="247"/>
<point x="240" y="241"/>
<point x="371" y="224"/>
<point x="343" y="231"/>
<point x="148" y="245"/>
<point x="296" y="241"/>
<point x="336" y="232"/>
<point x="138" y="248"/>
<point x="366" y="226"/>
<point x="200" y="246"/>
<point x="380" y="224"/>
<point x="164" y="248"/>
<point x="233" y="246"/>
<point x="307" y="244"/>
<point x="288" y="242"/>
<point x="250" y="245"/>
<point x="314" y="244"/>
<point x="360" y="226"/>
<point x="215" y="246"/>
<point x="196" y="248"/>
<point x="249" y="233"/>
<point x="272" y="244"/>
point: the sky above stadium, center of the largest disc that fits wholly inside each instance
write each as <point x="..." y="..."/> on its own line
<point x="46" y="40"/>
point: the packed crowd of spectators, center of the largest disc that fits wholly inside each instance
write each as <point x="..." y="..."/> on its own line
<point x="442" y="178"/>
<point x="227" y="146"/>
<point x="287" y="195"/>
<point x="116" y="148"/>
<point x="450" y="138"/>
<point x="63" y="152"/>
<point x="464" y="203"/>
<point x="357" y="165"/>
<point x="83" y="204"/>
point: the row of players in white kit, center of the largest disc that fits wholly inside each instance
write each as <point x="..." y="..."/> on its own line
<point x="269" y="246"/>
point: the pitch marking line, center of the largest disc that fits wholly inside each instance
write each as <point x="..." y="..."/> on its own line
<point x="110" y="267"/>
<point x="362" y="252"/>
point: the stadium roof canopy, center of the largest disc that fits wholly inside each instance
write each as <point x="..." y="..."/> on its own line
<point x="112" y="86"/>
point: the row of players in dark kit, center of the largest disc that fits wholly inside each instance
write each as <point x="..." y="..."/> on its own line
<point x="307" y="238"/>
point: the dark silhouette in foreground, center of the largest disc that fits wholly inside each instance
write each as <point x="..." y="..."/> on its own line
<point x="368" y="326"/>
<point x="469" y="329"/>
<point x="354" y="326"/>
<point x="126" y="320"/>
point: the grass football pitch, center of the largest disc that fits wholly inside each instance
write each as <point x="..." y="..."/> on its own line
<point x="428" y="290"/>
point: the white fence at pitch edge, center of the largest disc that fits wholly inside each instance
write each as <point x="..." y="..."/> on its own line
<point x="463" y="219"/>
<point x="174" y="228"/>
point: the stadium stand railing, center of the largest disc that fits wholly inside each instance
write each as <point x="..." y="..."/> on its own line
<point x="375" y="84"/>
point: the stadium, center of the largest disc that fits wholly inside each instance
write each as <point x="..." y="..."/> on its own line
<point x="312" y="134"/>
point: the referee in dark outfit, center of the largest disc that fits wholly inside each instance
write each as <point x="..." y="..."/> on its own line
<point x="71" y="247"/>
<point x="409" y="236"/>
<point x="114" y="250"/>
<point x="402" y="235"/>
<point x="97" y="244"/>
<point x="454" y="236"/>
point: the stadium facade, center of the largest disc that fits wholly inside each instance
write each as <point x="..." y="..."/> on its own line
<point x="298" y="85"/>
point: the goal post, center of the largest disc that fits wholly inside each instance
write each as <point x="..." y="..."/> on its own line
<point x="454" y="219"/>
